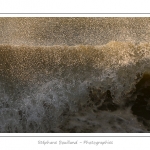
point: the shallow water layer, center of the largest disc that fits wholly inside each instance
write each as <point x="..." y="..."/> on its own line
<point x="82" y="88"/>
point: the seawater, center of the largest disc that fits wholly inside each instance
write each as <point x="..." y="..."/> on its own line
<point x="81" y="88"/>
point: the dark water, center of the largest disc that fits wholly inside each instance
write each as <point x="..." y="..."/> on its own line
<point x="72" y="86"/>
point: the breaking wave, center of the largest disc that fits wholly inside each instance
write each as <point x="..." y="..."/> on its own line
<point x="83" y="88"/>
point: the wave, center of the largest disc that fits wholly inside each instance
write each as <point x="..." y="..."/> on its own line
<point x="82" y="88"/>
